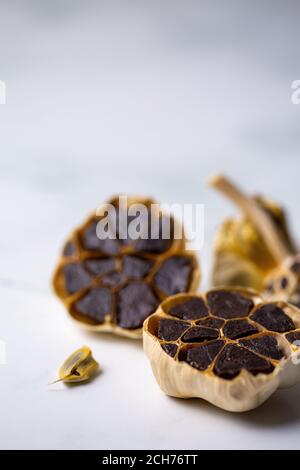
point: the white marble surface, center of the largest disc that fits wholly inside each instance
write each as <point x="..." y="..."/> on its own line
<point x="146" y="97"/>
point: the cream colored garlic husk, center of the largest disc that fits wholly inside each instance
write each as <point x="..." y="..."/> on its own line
<point x="243" y="393"/>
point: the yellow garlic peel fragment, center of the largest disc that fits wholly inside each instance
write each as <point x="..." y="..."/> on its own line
<point x="80" y="366"/>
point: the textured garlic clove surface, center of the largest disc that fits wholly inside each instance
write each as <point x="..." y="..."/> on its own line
<point x="80" y="366"/>
<point x="113" y="285"/>
<point x="226" y="346"/>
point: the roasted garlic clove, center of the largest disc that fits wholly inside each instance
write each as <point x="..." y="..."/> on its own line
<point x="80" y="366"/>
<point x="248" y="249"/>
<point x="113" y="285"/>
<point x="226" y="346"/>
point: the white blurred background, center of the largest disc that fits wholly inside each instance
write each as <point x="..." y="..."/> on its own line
<point x="141" y="97"/>
<point x="108" y="96"/>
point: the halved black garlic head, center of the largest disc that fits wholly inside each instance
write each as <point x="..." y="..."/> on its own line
<point x="225" y="346"/>
<point x="113" y="284"/>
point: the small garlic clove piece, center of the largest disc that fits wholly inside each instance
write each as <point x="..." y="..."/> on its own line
<point x="80" y="366"/>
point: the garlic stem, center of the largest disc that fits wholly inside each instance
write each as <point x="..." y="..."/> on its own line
<point x="258" y="217"/>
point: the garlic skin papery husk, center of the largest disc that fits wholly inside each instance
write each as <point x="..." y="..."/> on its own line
<point x="241" y="256"/>
<point x="268" y="358"/>
<point x="112" y="285"/>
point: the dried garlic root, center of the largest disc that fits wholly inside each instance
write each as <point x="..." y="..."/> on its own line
<point x="78" y="367"/>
